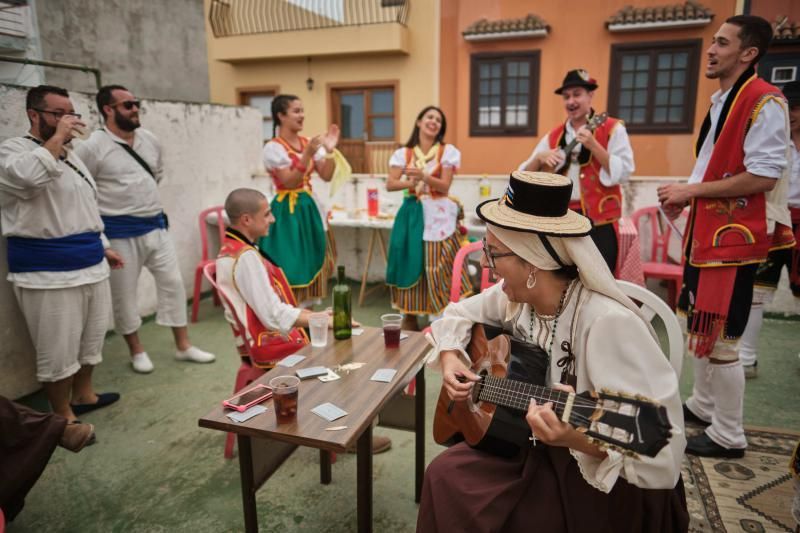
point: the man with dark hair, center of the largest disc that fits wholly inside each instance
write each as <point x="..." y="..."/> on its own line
<point x="785" y="243"/>
<point x="58" y="257"/>
<point x="599" y="162"/>
<point x="126" y="161"/>
<point x="741" y="155"/>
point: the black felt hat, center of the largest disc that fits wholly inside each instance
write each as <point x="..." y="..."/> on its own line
<point x="536" y="202"/>
<point x="577" y="78"/>
<point x="792" y="92"/>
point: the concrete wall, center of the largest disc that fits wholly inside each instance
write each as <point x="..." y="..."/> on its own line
<point x="157" y="49"/>
<point x="209" y="150"/>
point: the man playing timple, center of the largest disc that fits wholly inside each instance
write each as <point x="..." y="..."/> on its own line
<point x="597" y="165"/>
<point x="58" y="258"/>
<point x="254" y="286"/>
<point x="126" y="162"/>
<point x="741" y="153"/>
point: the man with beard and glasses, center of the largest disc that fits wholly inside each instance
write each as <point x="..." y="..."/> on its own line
<point x="58" y="257"/>
<point x="598" y="163"/>
<point x="735" y="196"/>
<point x="126" y="161"/>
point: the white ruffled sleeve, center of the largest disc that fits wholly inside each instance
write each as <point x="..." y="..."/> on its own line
<point x="620" y="158"/>
<point x="275" y="156"/>
<point x="398" y="158"/>
<point x="454" y="330"/>
<point x="632" y="363"/>
<point x="451" y="156"/>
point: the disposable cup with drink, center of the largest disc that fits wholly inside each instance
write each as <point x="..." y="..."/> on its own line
<point x="284" y="397"/>
<point x="391" y="329"/>
<point x="318" y="326"/>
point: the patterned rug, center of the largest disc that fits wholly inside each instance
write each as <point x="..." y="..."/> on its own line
<point x="752" y="494"/>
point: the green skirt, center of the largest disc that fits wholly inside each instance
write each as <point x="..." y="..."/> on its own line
<point x="406" y="261"/>
<point x="296" y="241"/>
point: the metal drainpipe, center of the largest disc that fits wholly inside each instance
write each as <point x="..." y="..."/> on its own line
<point x="56" y="64"/>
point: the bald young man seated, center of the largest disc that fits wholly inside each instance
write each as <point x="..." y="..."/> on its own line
<point x="249" y="279"/>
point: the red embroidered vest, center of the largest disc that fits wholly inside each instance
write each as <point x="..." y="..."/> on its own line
<point x="732" y="231"/>
<point x="268" y="346"/>
<point x="435" y="173"/>
<point x="295" y="156"/>
<point x="601" y="204"/>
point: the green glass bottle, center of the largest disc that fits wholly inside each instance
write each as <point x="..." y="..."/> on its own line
<point x="342" y="314"/>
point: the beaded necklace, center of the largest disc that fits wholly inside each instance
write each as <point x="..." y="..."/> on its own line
<point x="554" y="317"/>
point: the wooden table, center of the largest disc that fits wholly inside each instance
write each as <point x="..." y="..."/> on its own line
<point x="264" y="445"/>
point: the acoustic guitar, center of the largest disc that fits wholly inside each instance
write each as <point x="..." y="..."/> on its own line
<point x="512" y="373"/>
<point x="592" y="124"/>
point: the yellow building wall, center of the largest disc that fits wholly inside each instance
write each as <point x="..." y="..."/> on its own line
<point x="416" y="72"/>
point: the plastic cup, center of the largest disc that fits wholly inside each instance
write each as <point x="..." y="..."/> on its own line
<point x="391" y="330"/>
<point x="284" y="396"/>
<point x="318" y="326"/>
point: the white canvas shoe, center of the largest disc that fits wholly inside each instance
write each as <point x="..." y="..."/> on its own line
<point x="141" y="363"/>
<point x="195" y="355"/>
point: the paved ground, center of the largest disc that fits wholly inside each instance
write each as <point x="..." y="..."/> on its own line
<point x="154" y="470"/>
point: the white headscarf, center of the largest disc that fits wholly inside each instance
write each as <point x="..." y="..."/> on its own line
<point x="579" y="251"/>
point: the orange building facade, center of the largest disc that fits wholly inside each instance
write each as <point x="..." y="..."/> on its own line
<point x="570" y="36"/>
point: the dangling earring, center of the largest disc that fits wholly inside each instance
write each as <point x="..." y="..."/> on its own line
<point x="531" y="283"/>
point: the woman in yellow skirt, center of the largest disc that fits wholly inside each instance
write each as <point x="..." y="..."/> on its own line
<point x="425" y="236"/>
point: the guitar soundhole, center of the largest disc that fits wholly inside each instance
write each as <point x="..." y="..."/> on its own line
<point x="474" y="403"/>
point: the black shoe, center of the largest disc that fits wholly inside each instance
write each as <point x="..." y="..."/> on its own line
<point x="703" y="446"/>
<point x="103" y="399"/>
<point x="690" y="418"/>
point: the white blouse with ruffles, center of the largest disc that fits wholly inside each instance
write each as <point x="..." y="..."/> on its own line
<point x="613" y="349"/>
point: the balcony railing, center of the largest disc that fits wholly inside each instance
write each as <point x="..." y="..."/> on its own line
<point x="246" y="17"/>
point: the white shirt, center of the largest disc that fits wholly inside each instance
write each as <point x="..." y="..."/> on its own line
<point x="451" y="158"/>
<point x="252" y="287"/>
<point x="42" y="197"/>
<point x="613" y="349"/>
<point x="620" y="158"/>
<point x="794" y="178"/>
<point x="124" y="187"/>
<point x="276" y="157"/>
<point x="764" y="144"/>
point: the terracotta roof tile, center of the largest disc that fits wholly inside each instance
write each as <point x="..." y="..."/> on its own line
<point x="485" y="26"/>
<point x="688" y="11"/>
<point x="785" y="29"/>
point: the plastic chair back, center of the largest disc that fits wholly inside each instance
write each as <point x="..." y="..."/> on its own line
<point x="203" y="222"/>
<point x="652" y="306"/>
<point x="458" y="264"/>
<point x="659" y="235"/>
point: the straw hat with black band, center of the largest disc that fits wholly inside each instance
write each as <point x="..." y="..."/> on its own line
<point x="534" y="221"/>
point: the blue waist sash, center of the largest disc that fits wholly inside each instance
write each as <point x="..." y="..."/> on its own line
<point x="127" y="226"/>
<point x="59" y="254"/>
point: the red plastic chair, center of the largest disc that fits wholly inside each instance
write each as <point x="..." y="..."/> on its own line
<point x="658" y="264"/>
<point x="204" y="258"/>
<point x="458" y="263"/>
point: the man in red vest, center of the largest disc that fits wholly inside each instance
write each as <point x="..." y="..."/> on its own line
<point x="597" y="164"/>
<point x="257" y="289"/>
<point x="741" y="154"/>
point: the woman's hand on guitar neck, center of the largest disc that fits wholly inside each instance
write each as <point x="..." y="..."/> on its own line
<point x="548" y="428"/>
<point x="457" y="379"/>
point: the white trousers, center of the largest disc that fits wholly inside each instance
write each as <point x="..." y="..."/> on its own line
<point x="718" y="393"/>
<point x="67" y="326"/>
<point x="748" y="344"/>
<point x="156" y="252"/>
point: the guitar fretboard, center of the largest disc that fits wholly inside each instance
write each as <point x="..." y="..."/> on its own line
<point x="518" y="394"/>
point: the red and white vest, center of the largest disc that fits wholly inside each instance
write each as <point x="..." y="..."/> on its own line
<point x="603" y="205"/>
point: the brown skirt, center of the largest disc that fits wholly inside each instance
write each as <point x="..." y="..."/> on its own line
<point x="27" y="440"/>
<point x="539" y="491"/>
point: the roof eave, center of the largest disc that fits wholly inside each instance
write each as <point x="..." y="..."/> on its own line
<point x="497" y="36"/>
<point x="655" y="26"/>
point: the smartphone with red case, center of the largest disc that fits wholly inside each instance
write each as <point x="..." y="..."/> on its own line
<point x="243" y="401"/>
